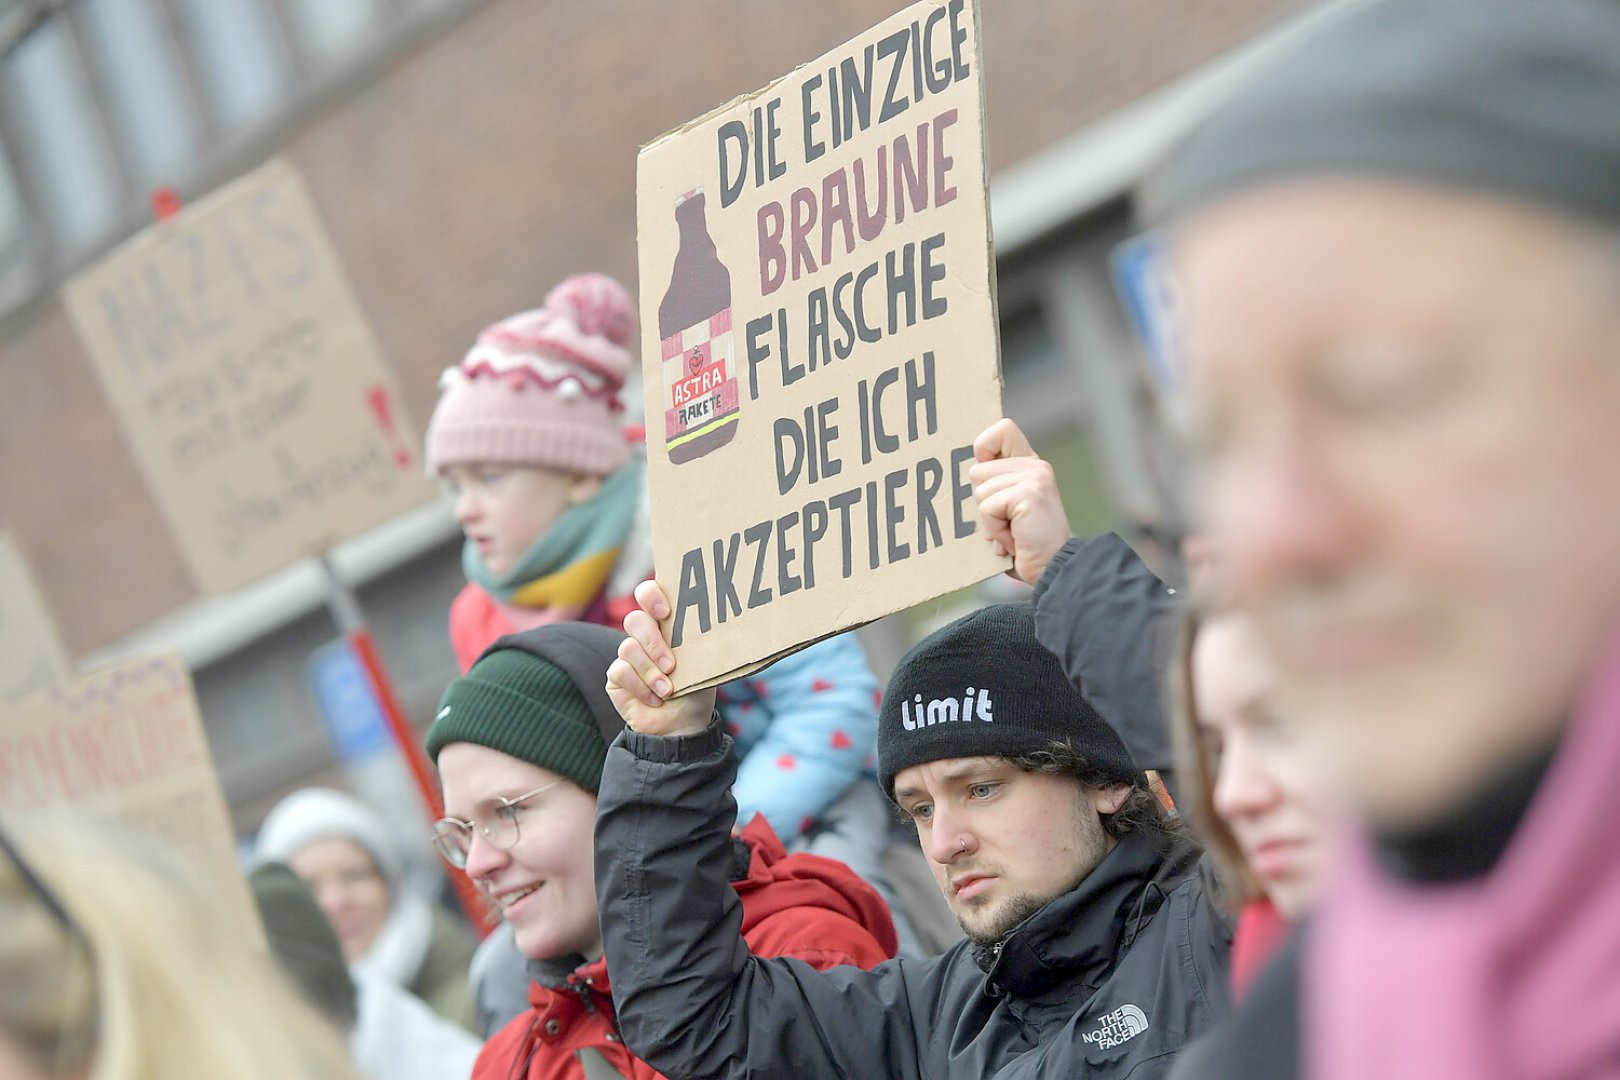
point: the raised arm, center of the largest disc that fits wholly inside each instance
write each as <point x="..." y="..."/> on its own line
<point x="692" y="1000"/>
<point x="1097" y="605"/>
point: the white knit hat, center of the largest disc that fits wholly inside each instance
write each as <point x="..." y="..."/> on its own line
<point x="320" y="813"/>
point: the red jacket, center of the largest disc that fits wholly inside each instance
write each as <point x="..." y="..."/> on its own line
<point x="477" y="619"/>
<point x="797" y="905"/>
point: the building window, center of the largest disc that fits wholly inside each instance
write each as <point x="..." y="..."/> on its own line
<point x="334" y="30"/>
<point x="71" y="165"/>
<point x="144" y="87"/>
<point x="16" y="266"/>
<point x="237" y="45"/>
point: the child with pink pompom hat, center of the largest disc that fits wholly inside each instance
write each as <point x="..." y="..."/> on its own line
<point x="551" y="493"/>
<point x="529" y="435"/>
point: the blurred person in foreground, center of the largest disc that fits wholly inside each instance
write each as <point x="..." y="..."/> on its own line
<point x="392" y="1033"/>
<point x="113" y="966"/>
<point x="519" y="742"/>
<point x="1093" y="948"/>
<point x="389" y="932"/>
<point x="1240" y="776"/>
<point x="1398" y="260"/>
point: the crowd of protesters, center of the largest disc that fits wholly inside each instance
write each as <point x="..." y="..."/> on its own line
<point x="1332" y="797"/>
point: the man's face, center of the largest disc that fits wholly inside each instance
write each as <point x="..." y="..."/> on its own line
<point x="1001" y="841"/>
<point x="1404" y="405"/>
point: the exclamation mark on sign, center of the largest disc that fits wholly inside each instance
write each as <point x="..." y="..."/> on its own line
<point x="377" y="398"/>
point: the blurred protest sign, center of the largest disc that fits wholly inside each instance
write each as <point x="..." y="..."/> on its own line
<point x="31" y="652"/>
<point x="126" y="745"/>
<point x="246" y="379"/>
<point x="819" y="344"/>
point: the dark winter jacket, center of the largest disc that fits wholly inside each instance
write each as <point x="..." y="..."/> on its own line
<point x="1261" y="1040"/>
<point x="792" y="905"/>
<point x="1109" y="980"/>
<point x="1111" y="622"/>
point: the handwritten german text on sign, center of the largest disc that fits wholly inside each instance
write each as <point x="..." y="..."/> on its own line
<point x="819" y="344"/>
<point x="248" y="382"/>
<point x="126" y="744"/>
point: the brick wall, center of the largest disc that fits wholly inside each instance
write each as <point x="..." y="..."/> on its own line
<point x="485" y="164"/>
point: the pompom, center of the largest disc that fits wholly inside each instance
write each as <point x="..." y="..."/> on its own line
<point x="598" y="305"/>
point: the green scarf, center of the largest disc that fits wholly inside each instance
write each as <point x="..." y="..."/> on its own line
<point x="568" y="565"/>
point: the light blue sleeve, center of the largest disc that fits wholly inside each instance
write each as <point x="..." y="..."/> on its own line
<point x="822" y="704"/>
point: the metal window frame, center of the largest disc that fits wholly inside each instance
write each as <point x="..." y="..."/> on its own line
<point x="223" y="153"/>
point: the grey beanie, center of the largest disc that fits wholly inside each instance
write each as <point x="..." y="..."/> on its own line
<point x="1510" y="97"/>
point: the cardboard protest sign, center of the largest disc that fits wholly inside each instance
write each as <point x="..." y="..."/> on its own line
<point x="31" y="652"/>
<point x="126" y="745"/>
<point x="819" y="344"/>
<point x="246" y="379"/>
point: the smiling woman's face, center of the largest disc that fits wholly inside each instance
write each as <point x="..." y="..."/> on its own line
<point x="545" y="884"/>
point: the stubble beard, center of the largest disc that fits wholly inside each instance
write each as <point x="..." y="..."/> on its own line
<point x="998" y="920"/>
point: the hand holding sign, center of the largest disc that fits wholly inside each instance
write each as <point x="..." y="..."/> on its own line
<point x="1019" y="504"/>
<point x="639" y="680"/>
<point x="819" y="336"/>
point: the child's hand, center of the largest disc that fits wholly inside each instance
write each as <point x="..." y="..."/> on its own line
<point x="639" y="681"/>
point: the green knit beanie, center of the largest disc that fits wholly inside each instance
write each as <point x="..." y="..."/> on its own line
<point x="523" y="705"/>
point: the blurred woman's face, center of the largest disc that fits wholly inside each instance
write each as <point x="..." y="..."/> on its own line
<point x="504" y="509"/>
<point x="1261" y="783"/>
<point x="350" y="889"/>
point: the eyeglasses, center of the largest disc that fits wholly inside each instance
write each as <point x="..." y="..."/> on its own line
<point x="499" y="825"/>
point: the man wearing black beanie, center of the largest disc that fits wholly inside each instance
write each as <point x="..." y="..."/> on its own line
<point x="1092" y="948"/>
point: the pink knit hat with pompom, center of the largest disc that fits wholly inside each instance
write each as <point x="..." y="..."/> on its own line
<point x="542" y="387"/>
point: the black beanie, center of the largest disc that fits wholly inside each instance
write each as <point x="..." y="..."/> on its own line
<point x="1511" y="97"/>
<point x="539" y="696"/>
<point x="985" y="686"/>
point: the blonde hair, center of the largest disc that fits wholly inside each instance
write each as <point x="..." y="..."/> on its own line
<point x="114" y="967"/>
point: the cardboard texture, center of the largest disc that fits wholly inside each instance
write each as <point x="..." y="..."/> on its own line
<point x="248" y="382"/>
<point x="31" y="652"/>
<point x="126" y="745"/>
<point x="819" y="345"/>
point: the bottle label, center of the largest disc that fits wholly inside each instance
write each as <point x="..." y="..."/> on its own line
<point x="700" y="380"/>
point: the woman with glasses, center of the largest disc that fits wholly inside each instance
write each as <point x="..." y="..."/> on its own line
<point x="113" y="968"/>
<point x="520" y="741"/>
<point x="343" y="849"/>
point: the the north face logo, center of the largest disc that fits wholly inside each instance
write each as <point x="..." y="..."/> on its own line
<point x="973" y="705"/>
<point x="1125" y="1022"/>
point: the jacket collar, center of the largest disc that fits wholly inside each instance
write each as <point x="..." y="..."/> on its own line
<point x="1076" y="939"/>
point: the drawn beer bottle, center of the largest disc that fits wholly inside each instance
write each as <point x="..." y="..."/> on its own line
<point x="694" y="326"/>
